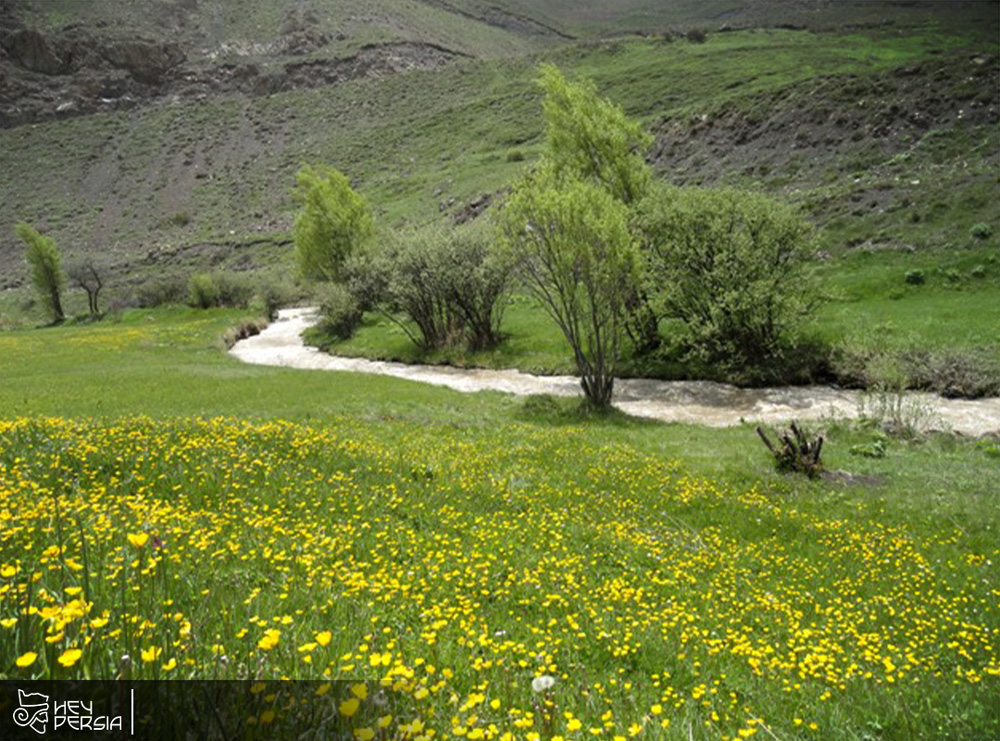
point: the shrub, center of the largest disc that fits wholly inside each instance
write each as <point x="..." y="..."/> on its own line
<point x="979" y="271"/>
<point x="895" y="411"/>
<point x="730" y="265"/>
<point x="954" y="373"/>
<point x="209" y="290"/>
<point x="169" y="289"/>
<point x="267" y="299"/>
<point x="233" y="290"/>
<point x="477" y="280"/>
<point x="981" y="231"/>
<point x="515" y="155"/>
<point x="417" y="284"/>
<point x="180" y="218"/>
<point x="202" y="292"/>
<point x="452" y="284"/>
<point x="874" y="449"/>
<point x="340" y="315"/>
<point x="915" y="277"/>
<point x="697" y="36"/>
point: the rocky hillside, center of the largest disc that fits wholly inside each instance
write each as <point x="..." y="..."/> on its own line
<point x="164" y="134"/>
<point x="85" y="58"/>
<point x="870" y="151"/>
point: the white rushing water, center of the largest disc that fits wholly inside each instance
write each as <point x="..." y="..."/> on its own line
<point x="699" y="402"/>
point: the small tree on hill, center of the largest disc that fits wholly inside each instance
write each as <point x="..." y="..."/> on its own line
<point x="575" y="254"/>
<point x="46" y="273"/>
<point x="85" y="274"/>
<point x="334" y="222"/>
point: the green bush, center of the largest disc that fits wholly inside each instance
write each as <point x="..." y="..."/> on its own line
<point x="451" y="284"/>
<point x="419" y="285"/>
<point x="268" y="298"/>
<point x="210" y="290"/>
<point x="170" y="289"/>
<point x="915" y="277"/>
<point x="953" y="373"/>
<point x="202" y="292"/>
<point x="730" y="265"/>
<point x="340" y="315"/>
<point x="876" y="448"/>
<point x="981" y="231"/>
<point x="515" y="155"/>
<point x="477" y="280"/>
<point x="233" y="290"/>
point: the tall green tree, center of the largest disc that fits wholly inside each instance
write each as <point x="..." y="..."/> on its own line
<point x="46" y="271"/>
<point x="590" y="138"/>
<point x="334" y="223"/>
<point x="575" y="253"/>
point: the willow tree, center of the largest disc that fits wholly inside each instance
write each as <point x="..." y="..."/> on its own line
<point x="334" y="223"/>
<point x="46" y="270"/>
<point x="571" y="242"/>
<point x="590" y="138"/>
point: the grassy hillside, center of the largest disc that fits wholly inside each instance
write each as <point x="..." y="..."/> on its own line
<point x="207" y="177"/>
<point x="887" y="140"/>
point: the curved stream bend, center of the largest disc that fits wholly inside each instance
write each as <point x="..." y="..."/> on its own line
<point x="700" y="402"/>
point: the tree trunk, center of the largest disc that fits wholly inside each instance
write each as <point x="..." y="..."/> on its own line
<point x="57" y="308"/>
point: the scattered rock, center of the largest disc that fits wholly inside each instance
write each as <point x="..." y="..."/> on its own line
<point x="98" y="74"/>
<point x="475" y="207"/>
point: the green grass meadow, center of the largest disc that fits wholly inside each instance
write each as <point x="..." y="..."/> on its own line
<point x="509" y="568"/>
<point x="455" y="547"/>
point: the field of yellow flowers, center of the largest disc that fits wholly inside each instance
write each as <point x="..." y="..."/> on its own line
<point x="517" y="582"/>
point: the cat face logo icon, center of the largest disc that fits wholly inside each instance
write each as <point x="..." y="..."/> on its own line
<point x="34" y="711"/>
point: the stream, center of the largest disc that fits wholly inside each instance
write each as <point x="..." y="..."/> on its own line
<point x="699" y="402"/>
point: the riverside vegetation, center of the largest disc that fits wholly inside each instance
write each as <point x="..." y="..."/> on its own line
<point x="514" y="569"/>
